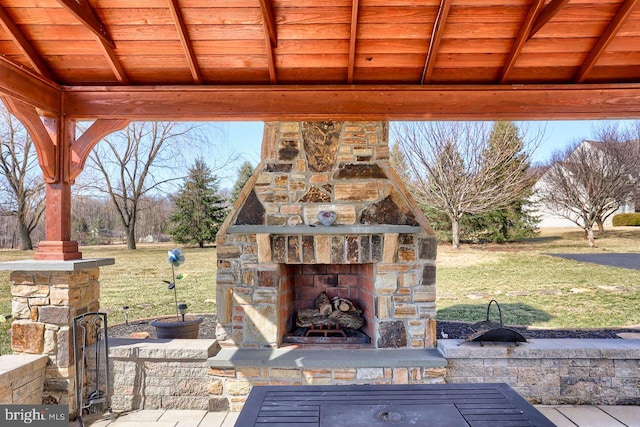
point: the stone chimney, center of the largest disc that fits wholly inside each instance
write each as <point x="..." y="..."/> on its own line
<point x="274" y="254"/>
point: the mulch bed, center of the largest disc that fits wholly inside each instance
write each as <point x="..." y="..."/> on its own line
<point x="445" y="328"/>
<point x="461" y="330"/>
<point x="122" y="330"/>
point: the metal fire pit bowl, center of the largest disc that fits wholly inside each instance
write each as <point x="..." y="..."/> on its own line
<point x="491" y="331"/>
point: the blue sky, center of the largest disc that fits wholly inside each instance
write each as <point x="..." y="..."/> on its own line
<point x="245" y="139"/>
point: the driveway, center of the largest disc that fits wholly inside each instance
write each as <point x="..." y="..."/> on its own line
<point x="631" y="261"/>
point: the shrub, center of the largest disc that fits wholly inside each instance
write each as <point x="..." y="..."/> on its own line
<point x="626" y="219"/>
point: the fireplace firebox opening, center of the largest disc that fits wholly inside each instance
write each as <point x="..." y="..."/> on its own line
<point x="343" y="284"/>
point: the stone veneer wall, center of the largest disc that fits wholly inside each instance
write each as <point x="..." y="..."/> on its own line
<point x="158" y="374"/>
<point x="233" y="372"/>
<point x="44" y="305"/>
<point x="308" y="167"/>
<point x="22" y="379"/>
<point x="232" y="385"/>
<point x="552" y="371"/>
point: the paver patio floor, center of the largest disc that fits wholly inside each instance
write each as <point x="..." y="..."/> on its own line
<point x="562" y="416"/>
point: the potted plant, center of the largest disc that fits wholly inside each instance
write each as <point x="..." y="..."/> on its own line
<point x="178" y="327"/>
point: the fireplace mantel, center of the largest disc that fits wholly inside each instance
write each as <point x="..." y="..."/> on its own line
<point x="306" y="230"/>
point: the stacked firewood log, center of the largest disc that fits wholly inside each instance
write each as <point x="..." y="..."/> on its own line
<point x="337" y="311"/>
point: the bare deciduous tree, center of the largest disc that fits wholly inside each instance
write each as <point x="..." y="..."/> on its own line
<point x="139" y="160"/>
<point x="589" y="180"/>
<point x="464" y="167"/>
<point x="21" y="185"/>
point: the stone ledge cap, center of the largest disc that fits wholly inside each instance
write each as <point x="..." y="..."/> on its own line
<point x="48" y="265"/>
<point x="10" y="362"/>
<point x="559" y="348"/>
<point x="305" y="230"/>
<point x="163" y="348"/>
<point x="301" y="358"/>
<point x="14" y="362"/>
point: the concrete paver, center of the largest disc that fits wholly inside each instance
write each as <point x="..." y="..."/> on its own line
<point x="183" y="415"/>
<point x="555" y="416"/>
<point x="628" y="415"/>
<point x="589" y="416"/>
<point x="131" y="422"/>
<point x="214" y="419"/>
<point x="562" y="416"/>
<point x="231" y="419"/>
<point x="146" y="414"/>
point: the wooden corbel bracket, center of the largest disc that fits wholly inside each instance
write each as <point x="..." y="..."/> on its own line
<point x="81" y="147"/>
<point x="61" y="156"/>
<point x="44" y="140"/>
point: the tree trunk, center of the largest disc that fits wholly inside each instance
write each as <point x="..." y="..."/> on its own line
<point x="600" y="225"/>
<point x="131" y="237"/>
<point x="590" y="238"/>
<point x="455" y="233"/>
<point x="25" y="237"/>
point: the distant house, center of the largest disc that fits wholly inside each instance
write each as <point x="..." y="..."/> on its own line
<point x="551" y="217"/>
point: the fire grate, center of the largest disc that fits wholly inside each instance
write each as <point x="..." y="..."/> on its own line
<point x="325" y="335"/>
<point x="326" y="330"/>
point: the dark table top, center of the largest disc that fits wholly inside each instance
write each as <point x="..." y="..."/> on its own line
<point x="423" y="405"/>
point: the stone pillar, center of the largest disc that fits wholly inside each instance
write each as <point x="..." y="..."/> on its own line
<point x="46" y="296"/>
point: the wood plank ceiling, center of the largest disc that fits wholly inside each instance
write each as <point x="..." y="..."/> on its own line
<point x="342" y="43"/>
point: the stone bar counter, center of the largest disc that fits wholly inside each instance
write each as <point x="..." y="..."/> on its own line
<point x="46" y="296"/>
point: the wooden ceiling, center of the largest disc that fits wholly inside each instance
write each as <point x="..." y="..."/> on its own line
<point x="270" y="59"/>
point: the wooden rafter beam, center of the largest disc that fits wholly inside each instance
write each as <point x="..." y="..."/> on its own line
<point x="185" y="41"/>
<point x="434" y="42"/>
<point x="24" y="45"/>
<point x="352" y="41"/>
<point x="521" y="39"/>
<point x="29" y="87"/>
<point x="84" y="13"/>
<point x="269" y="21"/>
<point x="604" y="40"/>
<point x="114" y="63"/>
<point x="271" y="62"/>
<point x="270" y="37"/>
<point x="362" y="102"/>
<point x="545" y="15"/>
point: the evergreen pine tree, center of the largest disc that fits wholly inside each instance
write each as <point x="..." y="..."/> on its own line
<point x="244" y="173"/>
<point x="513" y="222"/>
<point x="399" y="164"/>
<point x="199" y="210"/>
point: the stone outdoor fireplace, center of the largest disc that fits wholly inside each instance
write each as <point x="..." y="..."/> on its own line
<point x="275" y="257"/>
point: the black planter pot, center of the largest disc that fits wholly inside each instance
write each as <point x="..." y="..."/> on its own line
<point x="177" y="329"/>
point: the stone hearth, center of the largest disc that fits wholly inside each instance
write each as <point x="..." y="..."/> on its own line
<point x="273" y="231"/>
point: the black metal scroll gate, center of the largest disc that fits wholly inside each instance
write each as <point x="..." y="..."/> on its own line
<point x="91" y="329"/>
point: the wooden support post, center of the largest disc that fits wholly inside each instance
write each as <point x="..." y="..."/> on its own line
<point x="61" y="157"/>
<point x="58" y="244"/>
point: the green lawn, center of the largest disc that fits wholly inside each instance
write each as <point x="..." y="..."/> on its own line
<point x="531" y="287"/>
<point x="136" y="280"/>
<point x="537" y="289"/>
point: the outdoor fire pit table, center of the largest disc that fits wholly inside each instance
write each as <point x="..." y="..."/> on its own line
<point x="425" y="405"/>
